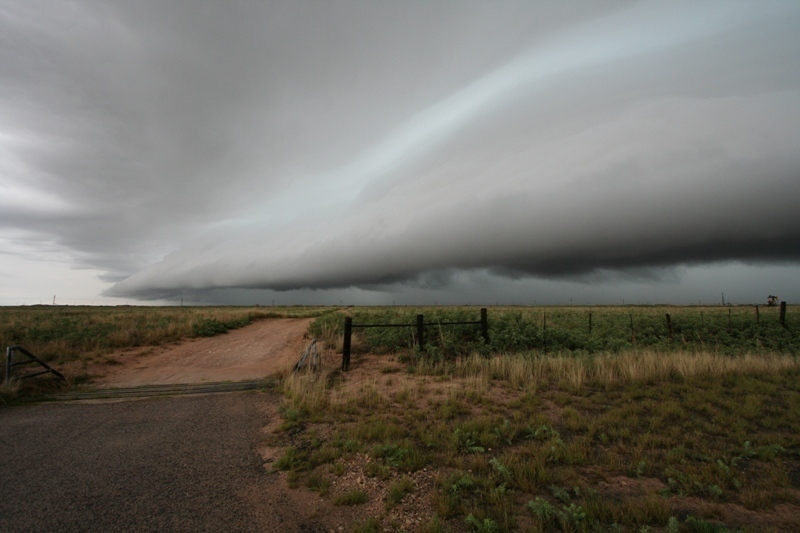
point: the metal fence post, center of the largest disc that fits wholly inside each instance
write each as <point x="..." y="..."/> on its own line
<point x="9" y="359"/>
<point x="783" y="313"/>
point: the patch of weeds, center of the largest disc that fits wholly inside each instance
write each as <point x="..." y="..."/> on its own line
<point x="435" y="525"/>
<point x="378" y="470"/>
<point x="543" y="510"/>
<point x="397" y="492"/>
<point x="640" y="469"/>
<point x="208" y="327"/>
<point x="569" y="518"/>
<point x="451" y="409"/>
<point x="405" y="457"/>
<point x="353" y="497"/>
<point x="564" y="495"/>
<point x="465" y="442"/>
<point x="699" y="525"/>
<point x="728" y="475"/>
<point x="290" y="460"/>
<point x="293" y="479"/>
<point x="572" y="518"/>
<point x="325" y="454"/>
<point x="291" y="417"/>
<point x="370" y="525"/>
<point x="673" y="526"/>
<point x="461" y="484"/>
<point x="487" y="525"/>
<point x="318" y="483"/>
<point x="337" y="468"/>
<point x="541" y="432"/>
<point x="690" y="485"/>
<point x="557" y="451"/>
<point x="500" y="469"/>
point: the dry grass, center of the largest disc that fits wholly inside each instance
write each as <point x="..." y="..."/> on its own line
<point x="534" y="372"/>
<point x="592" y="442"/>
<point x="307" y="392"/>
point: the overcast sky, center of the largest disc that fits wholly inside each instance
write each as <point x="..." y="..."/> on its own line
<point x="410" y="152"/>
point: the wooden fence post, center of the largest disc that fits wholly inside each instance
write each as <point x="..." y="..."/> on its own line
<point x="669" y="326"/>
<point x="544" y="330"/>
<point x="783" y="314"/>
<point x="420" y="332"/>
<point x="590" y="322"/>
<point x="757" y="317"/>
<point x="485" y="325"/>
<point x="633" y="332"/>
<point x="348" y="331"/>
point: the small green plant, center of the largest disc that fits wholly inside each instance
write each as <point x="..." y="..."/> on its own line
<point x="466" y="442"/>
<point x="487" y="525"/>
<point x="673" y="526"/>
<point x="641" y="468"/>
<point x="462" y="484"/>
<point x="542" y="432"/>
<point x="543" y="510"/>
<point x="559" y="493"/>
<point x="572" y="518"/>
<point x="500" y="468"/>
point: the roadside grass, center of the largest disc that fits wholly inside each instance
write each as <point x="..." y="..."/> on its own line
<point x="611" y="442"/>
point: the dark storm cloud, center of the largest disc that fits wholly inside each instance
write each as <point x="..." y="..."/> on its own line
<point x="286" y="145"/>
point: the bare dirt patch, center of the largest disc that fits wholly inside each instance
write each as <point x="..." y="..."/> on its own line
<point x="252" y="352"/>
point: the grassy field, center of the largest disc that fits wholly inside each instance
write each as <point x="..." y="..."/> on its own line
<point x="613" y="430"/>
<point x="550" y="426"/>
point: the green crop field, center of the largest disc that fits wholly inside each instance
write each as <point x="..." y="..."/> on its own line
<point x="575" y="330"/>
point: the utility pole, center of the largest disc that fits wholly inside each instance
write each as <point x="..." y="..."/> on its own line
<point x="54" y="299"/>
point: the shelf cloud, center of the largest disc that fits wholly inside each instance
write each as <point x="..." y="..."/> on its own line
<point x="197" y="146"/>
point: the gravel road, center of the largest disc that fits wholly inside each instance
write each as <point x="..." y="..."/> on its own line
<point x="164" y="464"/>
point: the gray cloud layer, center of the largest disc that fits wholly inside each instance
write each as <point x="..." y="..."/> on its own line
<point x="289" y="145"/>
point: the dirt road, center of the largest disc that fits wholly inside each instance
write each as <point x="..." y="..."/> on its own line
<point x="252" y="352"/>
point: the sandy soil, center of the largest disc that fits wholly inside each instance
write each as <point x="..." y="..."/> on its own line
<point x="252" y="352"/>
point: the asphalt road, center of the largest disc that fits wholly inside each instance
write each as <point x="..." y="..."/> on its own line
<point x="185" y="463"/>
